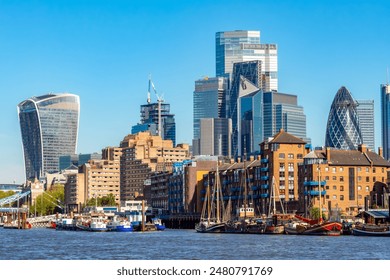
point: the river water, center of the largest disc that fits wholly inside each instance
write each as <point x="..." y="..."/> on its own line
<point x="50" y="244"/>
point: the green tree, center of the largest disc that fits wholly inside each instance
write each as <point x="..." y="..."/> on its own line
<point x="315" y="213"/>
<point x="50" y="202"/>
<point x="6" y="194"/>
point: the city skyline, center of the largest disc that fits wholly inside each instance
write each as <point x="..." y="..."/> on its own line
<point x="104" y="53"/>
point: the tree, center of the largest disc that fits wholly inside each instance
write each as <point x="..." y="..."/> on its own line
<point x="315" y="213"/>
<point x="50" y="202"/>
<point x="6" y="194"/>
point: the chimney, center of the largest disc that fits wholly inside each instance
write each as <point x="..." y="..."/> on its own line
<point x="327" y="154"/>
<point x="380" y="151"/>
<point x="362" y="148"/>
<point x="251" y="158"/>
<point x="231" y="160"/>
<point x="238" y="159"/>
<point x="258" y="157"/>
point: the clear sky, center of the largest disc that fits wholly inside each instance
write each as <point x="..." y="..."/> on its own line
<point x="104" y="51"/>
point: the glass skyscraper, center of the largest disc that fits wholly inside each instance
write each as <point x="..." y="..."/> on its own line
<point x="241" y="46"/>
<point x="251" y="72"/>
<point x="49" y="128"/>
<point x="281" y="110"/>
<point x="208" y="103"/>
<point x="365" y="111"/>
<point x="385" y="116"/>
<point x="150" y="118"/>
<point x="343" y="129"/>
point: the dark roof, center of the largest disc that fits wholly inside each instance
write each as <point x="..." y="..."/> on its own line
<point x="286" y="138"/>
<point x="353" y="158"/>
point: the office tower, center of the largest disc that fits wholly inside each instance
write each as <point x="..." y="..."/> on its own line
<point x="208" y="100"/>
<point x="365" y="111"/>
<point x="242" y="46"/>
<point x="343" y="129"/>
<point x="150" y="114"/>
<point x="49" y="128"/>
<point x="251" y="71"/>
<point x="282" y="111"/>
<point x="250" y="117"/>
<point x="66" y="161"/>
<point x="385" y="116"/>
<point x="215" y="137"/>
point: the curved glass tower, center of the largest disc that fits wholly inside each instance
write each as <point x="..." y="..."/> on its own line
<point x="343" y="130"/>
<point x="49" y="128"/>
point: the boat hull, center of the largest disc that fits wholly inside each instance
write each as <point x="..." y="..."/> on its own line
<point x="214" y="228"/>
<point x="371" y="230"/>
<point x="327" y="228"/>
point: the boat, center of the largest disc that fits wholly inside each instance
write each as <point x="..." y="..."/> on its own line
<point x="158" y="224"/>
<point x="305" y="226"/>
<point x="212" y="220"/>
<point x="95" y="224"/>
<point x="370" y="230"/>
<point x="274" y="223"/>
<point x="119" y="225"/>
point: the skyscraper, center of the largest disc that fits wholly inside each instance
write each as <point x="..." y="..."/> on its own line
<point x="242" y="46"/>
<point x="343" y="129"/>
<point x="385" y="116"/>
<point x="249" y="71"/>
<point x="156" y="118"/>
<point x="250" y="117"/>
<point x="208" y="101"/>
<point x="365" y="111"/>
<point x="281" y="111"/>
<point x="49" y="128"/>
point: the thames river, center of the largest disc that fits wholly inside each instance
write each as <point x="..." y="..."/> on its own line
<point x="50" y="244"/>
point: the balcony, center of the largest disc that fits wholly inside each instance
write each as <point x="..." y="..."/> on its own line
<point x="264" y="178"/>
<point x="265" y="186"/>
<point x="255" y="188"/>
<point x="314" y="183"/>
<point x="264" y="160"/>
<point x="315" y="193"/>
<point x="264" y="195"/>
<point x="264" y="169"/>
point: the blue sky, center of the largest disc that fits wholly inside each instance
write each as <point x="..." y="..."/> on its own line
<point x="104" y="51"/>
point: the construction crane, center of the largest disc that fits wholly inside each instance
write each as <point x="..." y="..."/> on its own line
<point x="160" y="100"/>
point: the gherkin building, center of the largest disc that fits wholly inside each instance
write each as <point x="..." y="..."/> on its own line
<point x="343" y="130"/>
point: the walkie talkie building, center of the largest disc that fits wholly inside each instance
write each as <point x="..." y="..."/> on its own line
<point x="49" y="128"/>
<point x="343" y="129"/>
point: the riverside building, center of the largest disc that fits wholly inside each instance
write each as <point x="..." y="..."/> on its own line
<point x="49" y="129"/>
<point x="143" y="153"/>
<point x="343" y="178"/>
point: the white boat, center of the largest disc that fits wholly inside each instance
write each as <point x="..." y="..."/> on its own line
<point x="97" y="224"/>
<point x="119" y="224"/>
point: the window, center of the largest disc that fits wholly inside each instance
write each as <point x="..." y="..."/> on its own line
<point x="341" y="188"/>
<point x="290" y="155"/>
<point x="299" y="156"/>
<point x="335" y="187"/>
<point x="341" y="179"/>
<point x="367" y="169"/>
<point x="373" y="170"/>
<point x="334" y="178"/>
<point x="341" y="197"/>
<point x="327" y="187"/>
<point x="367" y="179"/>
<point x="334" y="196"/>
<point x="359" y="178"/>
<point x="281" y="155"/>
<point x="333" y="169"/>
<point x="341" y="169"/>
<point x="359" y="188"/>
<point x="367" y="188"/>
<point x="374" y="179"/>
<point x="326" y="177"/>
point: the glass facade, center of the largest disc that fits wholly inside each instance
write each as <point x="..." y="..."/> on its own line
<point x="208" y="100"/>
<point x="282" y="111"/>
<point x="385" y="116"/>
<point x="240" y="46"/>
<point x="149" y="121"/>
<point x="343" y="129"/>
<point x="49" y="128"/>
<point x="251" y="72"/>
<point x="365" y="111"/>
